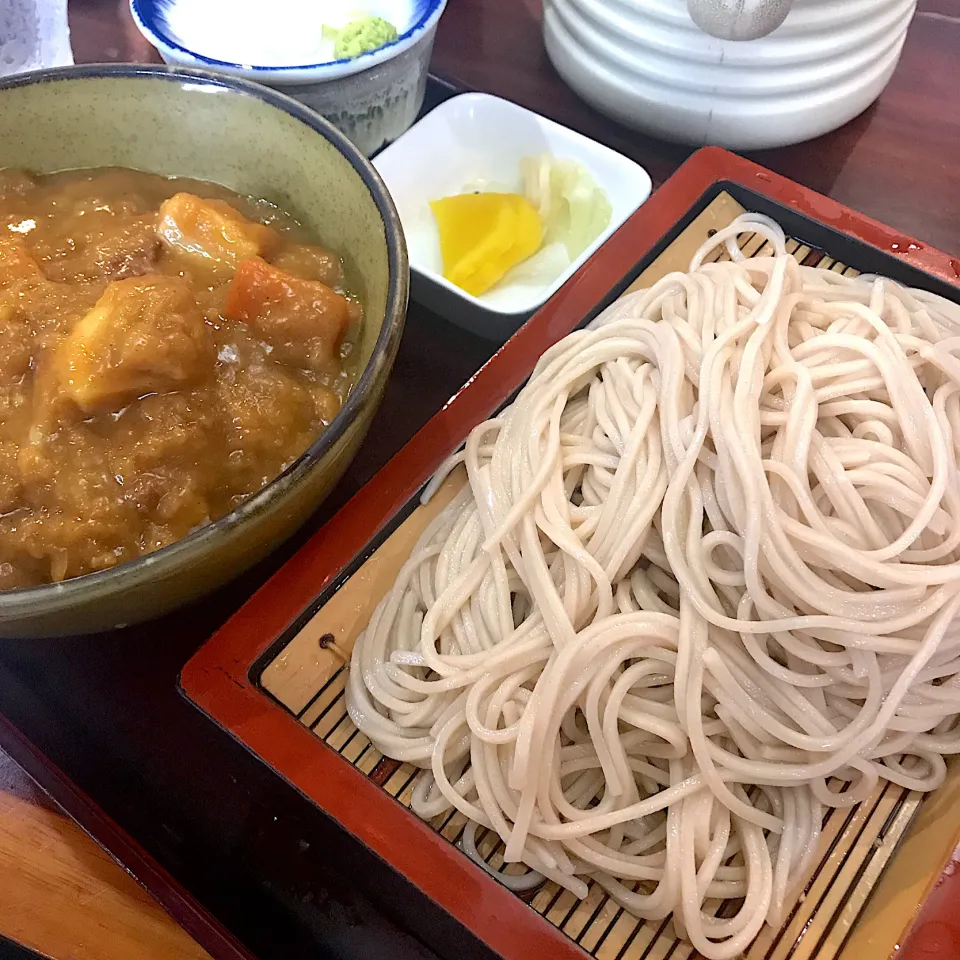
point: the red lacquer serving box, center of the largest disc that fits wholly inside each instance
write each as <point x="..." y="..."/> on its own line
<point x="272" y="676"/>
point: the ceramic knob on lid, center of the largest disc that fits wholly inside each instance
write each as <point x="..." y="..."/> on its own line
<point x="738" y="19"/>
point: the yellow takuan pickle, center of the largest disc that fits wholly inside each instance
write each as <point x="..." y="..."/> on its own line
<point x="483" y="235"/>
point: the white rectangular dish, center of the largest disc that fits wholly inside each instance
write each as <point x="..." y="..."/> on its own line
<point x="475" y="137"/>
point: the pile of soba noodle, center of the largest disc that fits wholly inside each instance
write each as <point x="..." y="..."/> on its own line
<point x="701" y="584"/>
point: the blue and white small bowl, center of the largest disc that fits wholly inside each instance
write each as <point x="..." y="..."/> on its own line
<point x="372" y="98"/>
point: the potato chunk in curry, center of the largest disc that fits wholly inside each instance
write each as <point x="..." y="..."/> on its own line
<point x="212" y="232"/>
<point x="144" y="335"/>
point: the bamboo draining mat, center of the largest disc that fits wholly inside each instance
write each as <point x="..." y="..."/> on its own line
<point x="830" y="916"/>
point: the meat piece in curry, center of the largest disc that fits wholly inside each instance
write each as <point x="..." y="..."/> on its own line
<point x="166" y="349"/>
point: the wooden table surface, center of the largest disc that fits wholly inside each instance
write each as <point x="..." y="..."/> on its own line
<point x="899" y="162"/>
<point x="63" y="896"/>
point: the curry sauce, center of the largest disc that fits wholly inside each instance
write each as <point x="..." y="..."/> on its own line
<point x="166" y="349"/>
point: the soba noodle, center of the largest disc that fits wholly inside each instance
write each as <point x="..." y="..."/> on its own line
<point x="701" y="584"/>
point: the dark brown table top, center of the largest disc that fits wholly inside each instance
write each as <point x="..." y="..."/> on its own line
<point x="106" y="709"/>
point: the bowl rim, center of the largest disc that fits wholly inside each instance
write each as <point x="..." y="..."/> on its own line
<point x="32" y="600"/>
<point x="147" y="15"/>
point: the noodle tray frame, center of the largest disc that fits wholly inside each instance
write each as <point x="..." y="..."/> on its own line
<point x="273" y="676"/>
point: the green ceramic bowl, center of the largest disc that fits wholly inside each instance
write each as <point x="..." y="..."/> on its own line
<point x="257" y="142"/>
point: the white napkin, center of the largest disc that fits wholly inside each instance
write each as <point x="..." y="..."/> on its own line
<point x="33" y="34"/>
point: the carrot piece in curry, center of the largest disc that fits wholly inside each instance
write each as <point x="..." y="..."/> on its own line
<point x="304" y="320"/>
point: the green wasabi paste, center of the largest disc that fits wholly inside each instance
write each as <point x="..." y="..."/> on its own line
<point x="361" y="36"/>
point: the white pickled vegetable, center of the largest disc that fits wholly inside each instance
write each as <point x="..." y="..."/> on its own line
<point x="541" y="269"/>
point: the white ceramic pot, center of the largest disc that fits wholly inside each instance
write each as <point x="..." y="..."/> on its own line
<point x="646" y="64"/>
